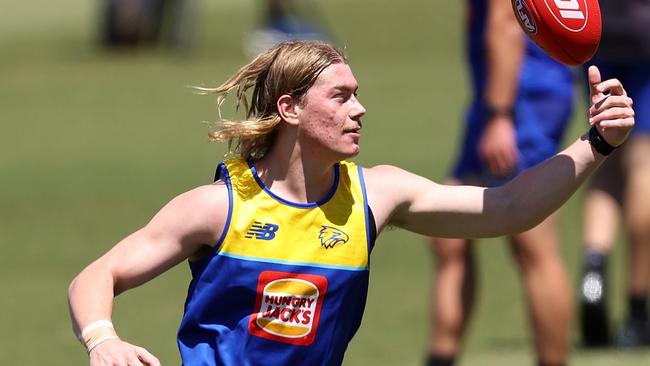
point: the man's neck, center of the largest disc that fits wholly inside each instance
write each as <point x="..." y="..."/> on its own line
<point x="290" y="175"/>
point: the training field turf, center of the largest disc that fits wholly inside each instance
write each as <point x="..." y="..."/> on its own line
<point x="93" y="143"/>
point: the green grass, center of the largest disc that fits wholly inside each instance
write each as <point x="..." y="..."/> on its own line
<point x="93" y="143"/>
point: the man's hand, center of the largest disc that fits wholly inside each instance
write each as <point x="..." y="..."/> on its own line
<point x="611" y="109"/>
<point x="119" y="353"/>
<point x="498" y="146"/>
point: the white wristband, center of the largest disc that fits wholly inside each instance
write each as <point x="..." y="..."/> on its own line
<point x="97" y="333"/>
<point x="94" y="325"/>
<point x="101" y="340"/>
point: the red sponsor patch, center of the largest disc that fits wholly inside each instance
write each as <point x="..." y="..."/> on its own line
<point x="288" y="306"/>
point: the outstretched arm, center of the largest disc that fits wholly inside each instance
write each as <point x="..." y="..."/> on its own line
<point x="188" y="223"/>
<point x="420" y="205"/>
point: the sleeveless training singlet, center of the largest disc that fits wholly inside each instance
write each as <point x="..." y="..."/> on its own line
<point x="287" y="282"/>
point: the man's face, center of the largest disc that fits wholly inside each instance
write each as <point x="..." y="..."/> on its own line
<point x="330" y="115"/>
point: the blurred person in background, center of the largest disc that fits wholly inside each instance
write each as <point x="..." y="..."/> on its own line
<point x="622" y="186"/>
<point x="283" y="20"/>
<point x="521" y="105"/>
<point x="134" y="23"/>
<point x="279" y="246"/>
<point x="131" y="23"/>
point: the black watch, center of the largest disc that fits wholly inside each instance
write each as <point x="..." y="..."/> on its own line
<point x="489" y="111"/>
<point x="599" y="143"/>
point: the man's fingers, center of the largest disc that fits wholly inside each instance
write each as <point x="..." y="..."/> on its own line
<point x="146" y="357"/>
<point x="611" y="101"/>
<point x="593" y="74"/>
<point x="611" y="113"/>
<point x="618" y="122"/>
<point x="612" y="104"/>
<point x="612" y="86"/>
<point x="493" y="165"/>
<point x="500" y="166"/>
<point x="502" y="163"/>
<point x="599" y="104"/>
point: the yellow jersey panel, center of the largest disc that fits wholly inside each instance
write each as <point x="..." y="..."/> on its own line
<point x="264" y="227"/>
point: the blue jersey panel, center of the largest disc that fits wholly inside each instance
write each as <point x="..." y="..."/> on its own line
<point x="219" y="332"/>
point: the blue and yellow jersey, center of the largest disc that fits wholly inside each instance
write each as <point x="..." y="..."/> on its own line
<point x="287" y="282"/>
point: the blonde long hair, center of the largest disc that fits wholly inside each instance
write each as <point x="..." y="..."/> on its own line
<point x="291" y="68"/>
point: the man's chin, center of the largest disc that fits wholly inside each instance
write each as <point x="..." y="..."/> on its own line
<point x="352" y="153"/>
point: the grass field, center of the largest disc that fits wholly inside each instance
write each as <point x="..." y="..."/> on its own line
<point x="93" y="143"/>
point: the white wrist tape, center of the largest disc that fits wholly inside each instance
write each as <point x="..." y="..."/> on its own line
<point x="100" y="340"/>
<point x="94" y="325"/>
<point x="96" y="333"/>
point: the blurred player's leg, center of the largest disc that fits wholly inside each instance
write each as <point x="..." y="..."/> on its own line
<point x="601" y="220"/>
<point x="453" y="298"/>
<point x="636" y="331"/>
<point x="601" y="217"/>
<point x="629" y="61"/>
<point x="547" y="288"/>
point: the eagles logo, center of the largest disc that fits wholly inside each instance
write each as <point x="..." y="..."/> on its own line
<point x="330" y="236"/>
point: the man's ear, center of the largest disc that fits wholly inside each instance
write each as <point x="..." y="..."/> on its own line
<point x="288" y="109"/>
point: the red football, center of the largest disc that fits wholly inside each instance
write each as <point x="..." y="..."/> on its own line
<point x="568" y="30"/>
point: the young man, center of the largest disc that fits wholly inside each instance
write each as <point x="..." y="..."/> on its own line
<point x="521" y="104"/>
<point x="621" y="186"/>
<point x="281" y="243"/>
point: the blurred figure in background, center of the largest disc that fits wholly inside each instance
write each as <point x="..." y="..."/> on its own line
<point x="622" y="185"/>
<point x="521" y="104"/>
<point x="283" y="20"/>
<point x="134" y="23"/>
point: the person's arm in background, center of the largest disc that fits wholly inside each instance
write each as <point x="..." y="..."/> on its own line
<point x="505" y="51"/>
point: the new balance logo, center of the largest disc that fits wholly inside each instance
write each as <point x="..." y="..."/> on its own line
<point x="262" y="231"/>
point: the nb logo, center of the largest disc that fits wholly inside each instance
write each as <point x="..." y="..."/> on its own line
<point x="262" y="231"/>
<point x="330" y="236"/>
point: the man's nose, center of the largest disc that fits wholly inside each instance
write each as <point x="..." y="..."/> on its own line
<point x="358" y="110"/>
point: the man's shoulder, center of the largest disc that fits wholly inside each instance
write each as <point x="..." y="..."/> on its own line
<point x="386" y="182"/>
<point x="206" y="194"/>
<point x="383" y="172"/>
<point x="393" y="180"/>
<point x="209" y="200"/>
<point x="204" y="209"/>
